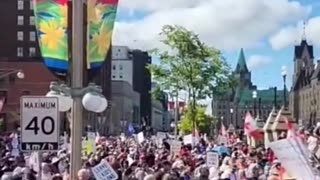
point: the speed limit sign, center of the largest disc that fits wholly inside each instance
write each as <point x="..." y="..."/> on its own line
<point x="39" y="123"/>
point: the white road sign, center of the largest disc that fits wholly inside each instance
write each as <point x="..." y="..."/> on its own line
<point x="39" y="123"/>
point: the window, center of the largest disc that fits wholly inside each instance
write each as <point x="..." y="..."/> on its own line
<point x="31" y="20"/>
<point x="31" y="5"/>
<point x="20" y="35"/>
<point x="120" y="67"/>
<point x="32" y="36"/>
<point x="20" y="5"/>
<point x="113" y="76"/>
<point x="114" y="67"/>
<point x="120" y="77"/>
<point x="20" y="51"/>
<point x="32" y="51"/>
<point x="20" y="20"/>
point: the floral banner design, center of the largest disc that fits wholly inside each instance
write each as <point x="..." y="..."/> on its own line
<point x="101" y="19"/>
<point x="52" y="24"/>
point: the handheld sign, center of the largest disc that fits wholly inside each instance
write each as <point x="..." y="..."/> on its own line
<point x="104" y="171"/>
<point x="212" y="159"/>
<point x="39" y="124"/>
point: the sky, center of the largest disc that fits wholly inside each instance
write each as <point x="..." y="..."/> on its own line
<point x="266" y="29"/>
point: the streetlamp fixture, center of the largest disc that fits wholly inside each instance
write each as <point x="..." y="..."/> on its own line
<point x="254" y="96"/>
<point x="284" y="75"/>
<point x="231" y="115"/>
<point x="92" y="99"/>
<point x="7" y="72"/>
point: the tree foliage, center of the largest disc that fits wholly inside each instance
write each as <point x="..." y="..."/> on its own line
<point x="188" y="65"/>
<point x="203" y="121"/>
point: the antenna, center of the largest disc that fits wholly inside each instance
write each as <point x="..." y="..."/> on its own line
<point x="304" y="37"/>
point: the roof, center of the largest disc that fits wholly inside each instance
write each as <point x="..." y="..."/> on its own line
<point x="266" y="95"/>
<point x="298" y="50"/>
<point x="241" y="65"/>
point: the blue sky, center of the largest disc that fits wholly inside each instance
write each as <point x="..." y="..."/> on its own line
<point x="266" y="29"/>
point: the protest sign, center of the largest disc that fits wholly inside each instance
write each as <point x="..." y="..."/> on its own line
<point x="212" y="159"/>
<point x="175" y="147"/>
<point x="292" y="155"/>
<point x="103" y="171"/>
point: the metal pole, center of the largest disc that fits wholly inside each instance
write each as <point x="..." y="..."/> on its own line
<point x="176" y="117"/>
<point x="76" y="83"/>
<point x="284" y="92"/>
<point x="255" y="107"/>
<point x="39" y="154"/>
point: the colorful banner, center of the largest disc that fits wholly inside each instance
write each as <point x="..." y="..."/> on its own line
<point x="51" y="19"/>
<point x="101" y="18"/>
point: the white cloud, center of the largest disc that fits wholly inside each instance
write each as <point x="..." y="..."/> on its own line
<point x="156" y="5"/>
<point x="292" y="35"/>
<point x="258" y="61"/>
<point x="227" y="24"/>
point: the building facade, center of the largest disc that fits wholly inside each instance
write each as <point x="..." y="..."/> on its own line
<point x="130" y="66"/>
<point x="125" y="107"/>
<point x="18" y="31"/>
<point x="163" y="124"/>
<point x="305" y="91"/>
<point x="232" y="107"/>
<point x="12" y="88"/>
<point x="157" y="121"/>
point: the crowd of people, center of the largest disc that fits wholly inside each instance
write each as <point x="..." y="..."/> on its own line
<point x="151" y="160"/>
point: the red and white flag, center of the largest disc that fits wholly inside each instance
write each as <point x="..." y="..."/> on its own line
<point x="223" y="130"/>
<point x="291" y="129"/>
<point x="251" y="128"/>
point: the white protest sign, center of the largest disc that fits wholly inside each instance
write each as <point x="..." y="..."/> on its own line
<point x="140" y="137"/>
<point x="39" y="123"/>
<point x="34" y="161"/>
<point x="15" y="146"/>
<point x="161" y="135"/>
<point x="291" y="154"/>
<point x="188" y="139"/>
<point x="175" y="147"/>
<point x="103" y="171"/>
<point x="212" y="159"/>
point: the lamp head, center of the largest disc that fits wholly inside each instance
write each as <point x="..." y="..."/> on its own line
<point x="284" y="71"/>
<point x="20" y="75"/>
<point x="254" y="94"/>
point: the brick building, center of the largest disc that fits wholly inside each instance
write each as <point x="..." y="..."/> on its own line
<point x="35" y="82"/>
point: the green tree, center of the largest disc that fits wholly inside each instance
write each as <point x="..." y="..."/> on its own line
<point x="203" y="121"/>
<point x="188" y="65"/>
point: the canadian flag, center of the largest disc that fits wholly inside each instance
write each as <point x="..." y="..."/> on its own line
<point x="223" y="130"/>
<point x="250" y="127"/>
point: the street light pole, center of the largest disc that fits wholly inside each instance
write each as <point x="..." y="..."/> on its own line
<point x="76" y="83"/>
<point x="176" y="117"/>
<point x="231" y="116"/>
<point x="254" y="96"/>
<point x="284" y="75"/>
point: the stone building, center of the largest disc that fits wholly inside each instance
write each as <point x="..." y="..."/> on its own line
<point x="305" y="91"/>
<point x="232" y="107"/>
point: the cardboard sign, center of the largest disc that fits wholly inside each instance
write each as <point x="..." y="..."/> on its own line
<point x="212" y="159"/>
<point x="103" y="171"/>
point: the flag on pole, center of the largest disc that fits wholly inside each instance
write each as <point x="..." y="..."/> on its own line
<point x="223" y="130"/>
<point x="251" y="128"/>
